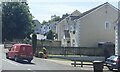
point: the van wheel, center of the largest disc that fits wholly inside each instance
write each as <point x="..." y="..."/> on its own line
<point x="110" y="68"/>
<point x="16" y="58"/>
<point x="29" y="61"/>
<point x="7" y="56"/>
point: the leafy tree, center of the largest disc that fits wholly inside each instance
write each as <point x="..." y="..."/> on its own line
<point x="56" y="18"/>
<point x="50" y="35"/>
<point x="44" y="22"/>
<point x="16" y="20"/>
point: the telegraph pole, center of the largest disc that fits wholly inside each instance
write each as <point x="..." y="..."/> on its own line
<point x="0" y="22"/>
<point x="118" y="36"/>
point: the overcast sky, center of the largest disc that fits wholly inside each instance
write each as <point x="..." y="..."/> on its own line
<point x="44" y="9"/>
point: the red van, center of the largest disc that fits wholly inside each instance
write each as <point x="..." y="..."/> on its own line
<point x="20" y="52"/>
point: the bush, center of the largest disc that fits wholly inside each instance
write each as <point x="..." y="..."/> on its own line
<point x="40" y="54"/>
<point x="44" y="50"/>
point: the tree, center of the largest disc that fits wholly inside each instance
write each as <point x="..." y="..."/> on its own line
<point x="16" y="20"/>
<point x="54" y="19"/>
<point x="44" y="22"/>
<point x="50" y="35"/>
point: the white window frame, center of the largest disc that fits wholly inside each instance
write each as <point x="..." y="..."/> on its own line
<point x="107" y="22"/>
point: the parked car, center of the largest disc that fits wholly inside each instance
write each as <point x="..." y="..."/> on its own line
<point x="112" y="62"/>
<point x="20" y="52"/>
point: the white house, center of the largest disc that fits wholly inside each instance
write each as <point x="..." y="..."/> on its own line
<point x="88" y="28"/>
<point x="52" y="26"/>
<point x="96" y="25"/>
<point x="38" y="27"/>
<point x="64" y="26"/>
<point x="45" y="29"/>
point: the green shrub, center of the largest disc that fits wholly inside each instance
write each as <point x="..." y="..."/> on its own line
<point x="44" y="50"/>
<point x="40" y="54"/>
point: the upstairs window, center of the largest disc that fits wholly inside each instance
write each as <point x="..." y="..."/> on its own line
<point x="73" y="41"/>
<point x="67" y="20"/>
<point x="107" y="25"/>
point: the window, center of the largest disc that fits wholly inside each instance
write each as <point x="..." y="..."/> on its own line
<point x="115" y="27"/>
<point x="68" y="41"/>
<point x="73" y="41"/>
<point x="107" y="25"/>
<point x="15" y="49"/>
<point x="71" y="28"/>
<point x="67" y="20"/>
<point x="74" y="32"/>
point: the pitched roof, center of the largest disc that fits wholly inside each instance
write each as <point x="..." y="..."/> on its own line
<point x="73" y="14"/>
<point x="63" y="17"/>
<point x="87" y="12"/>
<point x="74" y="17"/>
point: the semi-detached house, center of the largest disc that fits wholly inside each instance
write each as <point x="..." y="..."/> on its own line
<point x="88" y="28"/>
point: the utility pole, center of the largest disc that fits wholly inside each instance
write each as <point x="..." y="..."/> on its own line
<point x="0" y="22"/>
<point x="118" y="36"/>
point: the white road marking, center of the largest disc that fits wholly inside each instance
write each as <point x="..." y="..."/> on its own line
<point x="15" y="63"/>
<point x="10" y="62"/>
<point x="28" y="69"/>
<point x="31" y="70"/>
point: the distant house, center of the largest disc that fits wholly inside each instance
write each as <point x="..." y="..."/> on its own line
<point x="52" y="26"/>
<point x="45" y="29"/>
<point x="88" y="28"/>
<point x="64" y="26"/>
<point x="38" y="27"/>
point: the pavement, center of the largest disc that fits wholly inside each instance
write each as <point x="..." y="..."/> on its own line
<point x="59" y="61"/>
<point x="67" y="62"/>
<point x="0" y="58"/>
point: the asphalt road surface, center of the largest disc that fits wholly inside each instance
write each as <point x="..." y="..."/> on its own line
<point x="40" y="65"/>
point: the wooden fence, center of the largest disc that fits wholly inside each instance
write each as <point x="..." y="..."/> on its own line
<point x="88" y="51"/>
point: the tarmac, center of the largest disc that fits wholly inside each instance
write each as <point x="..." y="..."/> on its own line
<point x="68" y="62"/>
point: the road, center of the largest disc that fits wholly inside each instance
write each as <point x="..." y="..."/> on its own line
<point x="39" y="64"/>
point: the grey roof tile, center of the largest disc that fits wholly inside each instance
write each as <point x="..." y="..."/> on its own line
<point x="87" y="12"/>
